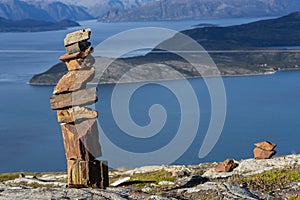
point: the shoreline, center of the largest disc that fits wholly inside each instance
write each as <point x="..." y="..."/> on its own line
<point x="175" y="79"/>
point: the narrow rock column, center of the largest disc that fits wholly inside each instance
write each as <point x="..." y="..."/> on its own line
<point x="79" y="123"/>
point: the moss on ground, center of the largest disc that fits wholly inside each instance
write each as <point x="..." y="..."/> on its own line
<point x="269" y="180"/>
<point x="36" y="185"/>
<point x="12" y="176"/>
<point x="294" y="197"/>
<point x="140" y="180"/>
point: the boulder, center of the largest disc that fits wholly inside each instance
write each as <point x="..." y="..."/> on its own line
<point x="74" y="80"/>
<point x="81" y="140"/>
<point x="226" y="166"/>
<point x="260" y="153"/>
<point x="269" y="146"/>
<point x="78" y="98"/>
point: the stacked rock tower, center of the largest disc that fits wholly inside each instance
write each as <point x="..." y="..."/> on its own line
<point x="78" y="122"/>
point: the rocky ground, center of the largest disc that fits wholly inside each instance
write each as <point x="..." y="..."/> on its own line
<point x="276" y="178"/>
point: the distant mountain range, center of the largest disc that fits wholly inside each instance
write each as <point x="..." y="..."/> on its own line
<point x="98" y="8"/>
<point x="54" y="10"/>
<point x="202" y="9"/>
<point x="143" y="10"/>
<point x="30" y="25"/>
<point x="283" y="31"/>
<point x="41" y="10"/>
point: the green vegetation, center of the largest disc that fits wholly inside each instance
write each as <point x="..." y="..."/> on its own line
<point x="139" y="181"/>
<point x="12" y="176"/>
<point x="36" y="185"/>
<point x="294" y="197"/>
<point x="270" y="180"/>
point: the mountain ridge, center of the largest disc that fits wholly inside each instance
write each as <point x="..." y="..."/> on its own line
<point x="30" y="25"/>
<point x="41" y="10"/>
<point x="202" y="9"/>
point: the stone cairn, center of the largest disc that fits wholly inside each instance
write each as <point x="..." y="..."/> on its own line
<point x="79" y="123"/>
<point x="264" y="150"/>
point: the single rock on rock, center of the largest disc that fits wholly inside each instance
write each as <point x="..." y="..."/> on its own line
<point x="75" y="113"/>
<point x="78" y="98"/>
<point x="74" y="80"/>
<point x="81" y="140"/>
<point x="226" y="166"/>
<point x="78" y="36"/>
<point x="260" y="153"/>
<point x="83" y="54"/>
<point x="269" y="146"/>
<point x="77" y="47"/>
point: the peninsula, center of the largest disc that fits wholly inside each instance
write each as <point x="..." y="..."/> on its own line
<point x="248" y="49"/>
<point x="30" y="25"/>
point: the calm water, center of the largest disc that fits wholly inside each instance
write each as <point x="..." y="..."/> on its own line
<point x="259" y="107"/>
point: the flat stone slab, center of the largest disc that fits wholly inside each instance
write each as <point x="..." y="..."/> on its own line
<point x="266" y="145"/>
<point x="260" y="153"/>
<point x="120" y="181"/>
<point x="77" y="36"/>
<point x="77" y="47"/>
<point x="78" y="98"/>
<point x="81" y="140"/>
<point x="76" y="113"/>
<point x="74" y="80"/>
<point x="83" y="54"/>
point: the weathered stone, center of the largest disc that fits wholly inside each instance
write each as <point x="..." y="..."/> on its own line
<point x="83" y="54"/>
<point x="269" y="146"/>
<point x="260" y="153"/>
<point x="87" y="174"/>
<point x="81" y="140"/>
<point x="75" y="64"/>
<point x="226" y="166"/>
<point x="78" y="98"/>
<point x="74" y="80"/>
<point x="77" y="36"/>
<point x="74" y="114"/>
<point x="77" y="47"/>
<point x="120" y="181"/>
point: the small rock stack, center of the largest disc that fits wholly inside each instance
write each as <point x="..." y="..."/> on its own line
<point x="264" y="150"/>
<point x="79" y="123"/>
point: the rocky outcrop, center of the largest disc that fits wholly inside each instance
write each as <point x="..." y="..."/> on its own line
<point x="179" y="182"/>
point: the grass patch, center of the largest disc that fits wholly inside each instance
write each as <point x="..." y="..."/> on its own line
<point x="12" y="176"/>
<point x="294" y="197"/>
<point x="36" y="185"/>
<point x="141" y="180"/>
<point x="270" y="180"/>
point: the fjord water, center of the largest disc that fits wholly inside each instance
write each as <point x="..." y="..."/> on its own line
<point x="258" y="107"/>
